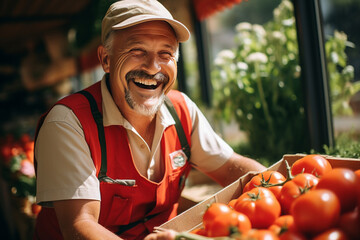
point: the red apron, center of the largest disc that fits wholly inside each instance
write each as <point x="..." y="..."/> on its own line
<point x="130" y="211"/>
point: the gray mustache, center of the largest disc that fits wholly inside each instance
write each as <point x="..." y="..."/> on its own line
<point x="160" y="77"/>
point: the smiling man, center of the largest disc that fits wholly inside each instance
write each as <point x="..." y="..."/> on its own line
<point x="112" y="159"/>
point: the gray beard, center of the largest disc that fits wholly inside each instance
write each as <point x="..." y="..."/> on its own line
<point x="141" y="109"/>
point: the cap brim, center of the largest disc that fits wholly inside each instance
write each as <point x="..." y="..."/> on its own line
<point x="181" y="31"/>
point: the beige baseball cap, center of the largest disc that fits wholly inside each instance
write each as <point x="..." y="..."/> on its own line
<point x="126" y="13"/>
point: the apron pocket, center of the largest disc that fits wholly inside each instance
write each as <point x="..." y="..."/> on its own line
<point x="119" y="212"/>
<point x="116" y="204"/>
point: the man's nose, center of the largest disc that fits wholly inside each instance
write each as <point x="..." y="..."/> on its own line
<point x="152" y="64"/>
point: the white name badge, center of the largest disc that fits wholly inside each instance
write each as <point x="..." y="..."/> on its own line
<point x="178" y="159"/>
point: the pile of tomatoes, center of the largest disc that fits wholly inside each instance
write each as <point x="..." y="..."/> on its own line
<point x="314" y="201"/>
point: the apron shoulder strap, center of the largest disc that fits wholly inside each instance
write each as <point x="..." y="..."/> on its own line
<point x="179" y="128"/>
<point x="100" y="127"/>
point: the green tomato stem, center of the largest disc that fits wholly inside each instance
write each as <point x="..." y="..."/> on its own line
<point x="263" y="100"/>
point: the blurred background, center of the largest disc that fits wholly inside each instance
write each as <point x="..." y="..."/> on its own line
<point x="272" y="77"/>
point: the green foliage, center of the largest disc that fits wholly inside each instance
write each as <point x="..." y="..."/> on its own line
<point x="258" y="84"/>
<point x="346" y="146"/>
<point x="255" y="11"/>
<point x="341" y="75"/>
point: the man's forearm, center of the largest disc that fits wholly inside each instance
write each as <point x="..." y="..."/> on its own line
<point x="87" y="230"/>
<point x="78" y="219"/>
<point x="234" y="168"/>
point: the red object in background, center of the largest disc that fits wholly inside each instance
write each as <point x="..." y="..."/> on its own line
<point x="88" y="60"/>
<point x="205" y="8"/>
<point x="35" y="209"/>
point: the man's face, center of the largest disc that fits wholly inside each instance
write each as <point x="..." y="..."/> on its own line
<point x="142" y="66"/>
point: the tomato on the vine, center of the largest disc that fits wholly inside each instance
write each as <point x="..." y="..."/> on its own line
<point x="214" y="210"/>
<point x="228" y="223"/>
<point x="291" y="235"/>
<point x="291" y="190"/>
<point x="261" y="234"/>
<point x="232" y="203"/>
<point x="343" y="182"/>
<point x="313" y="164"/>
<point x="283" y="224"/>
<point x="260" y="205"/>
<point x="349" y="222"/>
<point x="357" y="173"/>
<point x="199" y="231"/>
<point x="265" y="179"/>
<point x="316" y="211"/>
<point x="331" y="234"/>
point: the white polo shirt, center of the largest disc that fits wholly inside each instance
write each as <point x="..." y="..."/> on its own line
<point x="66" y="170"/>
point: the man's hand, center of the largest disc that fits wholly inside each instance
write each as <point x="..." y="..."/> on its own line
<point x="167" y="235"/>
<point x="78" y="219"/>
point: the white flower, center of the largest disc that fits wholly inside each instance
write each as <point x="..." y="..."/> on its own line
<point x="247" y="41"/>
<point x="276" y="13"/>
<point x="288" y="22"/>
<point x="334" y="57"/>
<point x="241" y="35"/>
<point x="348" y="69"/>
<point x="340" y="35"/>
<point x="244" y="26"/>
<point x="348" y="72"/>
<point x="257" y="57"/>
<point x="277" y="35"/>
<point x="224" y="56"/>
<point x="219" y="61"/>
<point x="259" y="30"/>
<point x="242" y="66"/>
<point x="288" y="5"/>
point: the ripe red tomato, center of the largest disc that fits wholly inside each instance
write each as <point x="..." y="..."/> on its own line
<point x="283" y="224"/>
<point x="349" y="223"/>
<point x="331" y="234"/>
<point x="228" y="223"/>
<point x="260" y="205"/>
<point x="264" y="179"/>
<point x="291" y="190"/>
<point x="343" y="182"/>
<point x="261" y="234"/>
<point x="313" y="163"/>
<point x="213" y="211"/>
<point x="291" y="235"/>
<point x="199" y="231"/>
<point x="316" y="211"/>
<point x="232" y="203"/>
<point x="357" y="172"/>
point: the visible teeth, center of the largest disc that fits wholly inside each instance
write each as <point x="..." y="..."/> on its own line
<point x="146" y="81"/>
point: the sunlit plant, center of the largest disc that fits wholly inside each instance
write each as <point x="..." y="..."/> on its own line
<point x="258" y="83"/>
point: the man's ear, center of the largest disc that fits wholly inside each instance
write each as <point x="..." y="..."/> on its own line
<point x="104" y="58"/>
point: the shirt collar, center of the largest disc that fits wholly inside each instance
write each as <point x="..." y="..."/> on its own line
<point x="113" y="116"/>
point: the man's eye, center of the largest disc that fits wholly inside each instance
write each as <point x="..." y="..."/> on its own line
<point x="166" y="55"/>
<point x="137" y="51"/>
